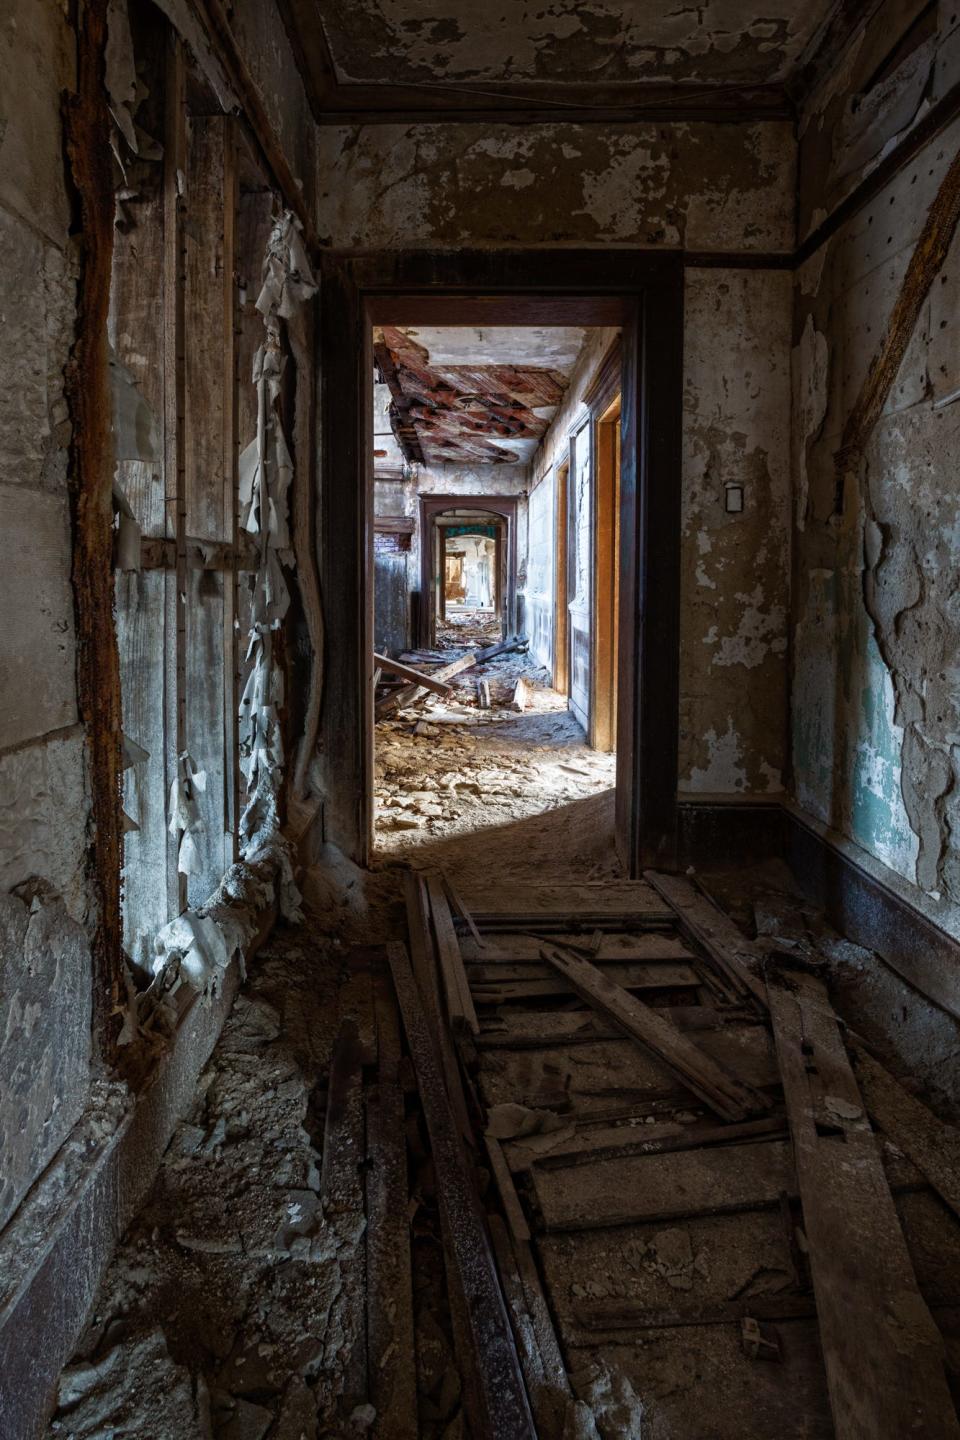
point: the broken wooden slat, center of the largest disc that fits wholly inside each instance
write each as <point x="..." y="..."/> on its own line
<point x="550" y="1394"/>
<point x="390" y="1325"/>
<point x="425" y="970"/>
<point x="735" y="956"/>
<point x="497" y="1405"/>
<point x="722" y="1091"/>
<point x="504" y="647"/>
<point x="464" y="913"/>
<point x="548" y="1029"/>
<point x="616" y="948"/>
<point x="932" y="1145"/>
<point x="406" y="672"/>
<point x="683" y="1137"/>
<point x="410" y="693"/>
<point x="625" y="1315"/>
<point x="483" y="694"/>
<point x="646" y="975"/>
<point x="460" y="1007"/>
<point x="883" y="1354"/>
<point x="676" y="1186"/>
<point x="503" y="1179"/>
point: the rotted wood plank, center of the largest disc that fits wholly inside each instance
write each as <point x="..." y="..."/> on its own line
<point x="425" y="969"/>
<point x="706" y="925"/>
<point x="709" y="1081"/>
<point x="406" y="672"/>
<point x="460" y="1007"/>
<point x="883" y="1354"/>
<point x="496" y="1398"/>
<point x="410" y="693"/>
<point x="548" y="1388"/>
<point x="538" y="979"/>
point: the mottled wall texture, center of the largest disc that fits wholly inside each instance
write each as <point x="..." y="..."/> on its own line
<point x="718" y="188"/>
<point x="45" y="968"/>
<point x="876" y="683"/>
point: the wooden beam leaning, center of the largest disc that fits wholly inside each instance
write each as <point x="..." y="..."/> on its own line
<point x="497" y="1399"/>
<point x="407" y="672"/>
<point x="707" y="926"/>
<point x="411" y="693"/>
<point x="883" y="1354"/>
<point x="729" y="1097"/>
<point x="456" y="986"/>
<point x="425" y="972"/>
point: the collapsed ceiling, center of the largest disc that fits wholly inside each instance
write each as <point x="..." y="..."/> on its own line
<point x="472" y="395"/>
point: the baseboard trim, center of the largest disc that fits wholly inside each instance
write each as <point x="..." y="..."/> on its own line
<point x="876" y="908"/>
<point x="744" y="830"/>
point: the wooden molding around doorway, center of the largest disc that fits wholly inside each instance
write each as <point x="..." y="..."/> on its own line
<point x="641" y="292"/>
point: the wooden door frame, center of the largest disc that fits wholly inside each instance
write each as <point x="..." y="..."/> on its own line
<point x="561" y="539"/>
<point x="641" y="291"/>
<point x="430" y="507"/>
<point x="602" y="399"/>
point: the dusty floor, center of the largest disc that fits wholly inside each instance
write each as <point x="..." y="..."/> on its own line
<point x="447" y="768"/>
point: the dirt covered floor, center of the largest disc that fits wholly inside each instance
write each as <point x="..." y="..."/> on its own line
<point x="447" y="768"/>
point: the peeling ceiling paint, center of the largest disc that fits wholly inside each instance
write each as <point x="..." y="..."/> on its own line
<point x="480" y="395"/>
<point x="570" y="41"/>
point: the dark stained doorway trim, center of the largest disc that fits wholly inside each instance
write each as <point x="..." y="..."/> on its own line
<point x="434" y="505"/>
<point x="642" y="291"/>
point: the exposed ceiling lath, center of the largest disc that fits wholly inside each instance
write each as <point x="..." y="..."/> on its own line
<point x="479" y="412"/>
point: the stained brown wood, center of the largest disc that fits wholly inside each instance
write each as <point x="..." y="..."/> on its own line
<point x="547" y="1385"/>
<point x="932" y="1145"/>
<point x="642" y="974"/>
<point x="644" y="1188"/>
<point x="503" y="1179"/>
<point x="425" y="969"/>
<point x="406" y="672"/>
<point x="883" y="1354"/>
<point x="716" y="1087"/>
<point x="706" y="925"/>
<point x="497" y="1405"/>
<point x="657" y="1140"/>
<point x="640" y="977"/>
<point x="411" y="693"/>
<point x="460" y="1007"/>
<point x="623" y="1315"/>
<point x="390" y="1320"/>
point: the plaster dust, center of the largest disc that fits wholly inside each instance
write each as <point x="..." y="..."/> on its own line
<point x="481" y="791"/>
<point x="226" y="1309"/>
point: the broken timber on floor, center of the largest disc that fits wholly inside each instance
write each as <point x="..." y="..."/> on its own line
<point x="411" y="693"/>
<point x="498" y="1407"/>
<point x="699" y="919"/>
<point x="406" y="672"/>
<point x="723" y="1092"/>
<point x="460" y="1006"/>
<point x="883" y="1353"/>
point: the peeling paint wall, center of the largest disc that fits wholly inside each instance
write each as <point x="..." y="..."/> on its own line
<point x="875" y="686"/>
<point x="705" y="187"/>
<point x="735" y="573"/>
<point x="45" y="963"/>
<point x="708" y="187"/>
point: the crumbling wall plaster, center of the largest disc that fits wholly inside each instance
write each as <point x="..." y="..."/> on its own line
<point x="711" y="187"/>
<point x="875" y="687"/>
<point x="735" y="573"/>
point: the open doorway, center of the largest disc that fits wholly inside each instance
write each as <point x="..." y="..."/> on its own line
<point x="638" y="294"/>
<point x="492" y="695"/>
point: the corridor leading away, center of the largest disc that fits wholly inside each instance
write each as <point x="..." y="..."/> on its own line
<point x="480" y="740"/>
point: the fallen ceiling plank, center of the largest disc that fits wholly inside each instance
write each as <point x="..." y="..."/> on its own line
<point x="705" y="924"/>
<point x="406" y="672"/>
<point x="410" y="693"/>
<point x="460" y="1007"/>
<point x="883" y="1354"/>
<point x="498" y="1408"/>
<point x="709" y="1081"/>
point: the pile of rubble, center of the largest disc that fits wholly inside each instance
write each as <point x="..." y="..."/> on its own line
<point x="447" y="766"/>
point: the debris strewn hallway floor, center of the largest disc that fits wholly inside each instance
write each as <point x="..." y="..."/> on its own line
<point x="447" y="769"/>
<point x="236" y="1306"/>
